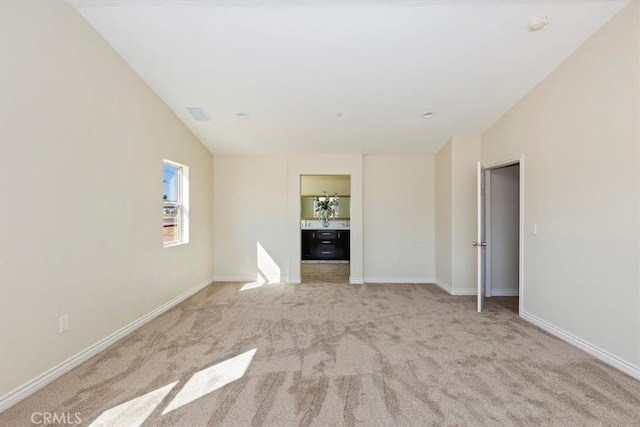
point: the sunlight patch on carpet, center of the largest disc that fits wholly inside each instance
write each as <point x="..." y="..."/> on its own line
<point x="212" y="378"/>
<point x="252" y="285"/>
<point x="133" y="412"/>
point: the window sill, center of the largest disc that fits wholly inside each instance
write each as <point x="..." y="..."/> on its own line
<point x="172" y="244"/>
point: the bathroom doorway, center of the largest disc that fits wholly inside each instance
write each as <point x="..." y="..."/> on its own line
<point x="325" y="237"/>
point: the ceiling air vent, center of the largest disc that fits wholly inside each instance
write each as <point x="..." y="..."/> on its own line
<point x="199" y="114"/>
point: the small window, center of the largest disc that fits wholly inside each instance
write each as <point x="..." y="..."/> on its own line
<point x="175" y="196"/>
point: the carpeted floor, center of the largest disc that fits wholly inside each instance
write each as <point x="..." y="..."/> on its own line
<point x="326" y="353"/>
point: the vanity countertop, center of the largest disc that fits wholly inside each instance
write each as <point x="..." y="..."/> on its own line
<point x="334" y="224"/>
<point x="315" y="218"/>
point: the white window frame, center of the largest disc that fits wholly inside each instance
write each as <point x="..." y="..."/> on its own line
<point x="183" y="202"/>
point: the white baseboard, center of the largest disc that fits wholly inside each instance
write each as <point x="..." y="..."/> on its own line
<point x="457" y="292"/>
<point x="445" y="287"/>
<point x="464" y="292"/>
<point x="356" y="281"/>
<point x="15" y="396"/>
<point x="234" y="279"/>
<point x="391" y="280"/>
<point x="504" y="292"/>
<point x="295" y="280"/>
<point x="247" y="279"/>
<point x="593" y="350"/>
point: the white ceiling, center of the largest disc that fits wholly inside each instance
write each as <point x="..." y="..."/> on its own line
<point x="292" y="66"/>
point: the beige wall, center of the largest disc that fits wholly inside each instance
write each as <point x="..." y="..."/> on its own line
<point x="257" y="200"/>
<point x="399" y="235"/>
<point x="250" y="194"/>
<point x="465" y="158"/>
<point x="317" y="185"/>
<point x="578" y="130"/>
<point x="83" y="138"/>
<point x="456" y="225"/>
<point x="444" y="215"/>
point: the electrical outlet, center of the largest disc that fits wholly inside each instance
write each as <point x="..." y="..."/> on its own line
<point x="534" y="228"/>
<point x="64" y="323"/>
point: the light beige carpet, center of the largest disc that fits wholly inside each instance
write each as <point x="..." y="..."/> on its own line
<point x="338" y="354"/>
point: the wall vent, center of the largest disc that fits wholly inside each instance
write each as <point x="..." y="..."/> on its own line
<point x="199" y="114"/>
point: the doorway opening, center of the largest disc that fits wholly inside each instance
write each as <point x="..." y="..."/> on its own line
<point x="500" y="229"/>
<point x="325" y="228"/>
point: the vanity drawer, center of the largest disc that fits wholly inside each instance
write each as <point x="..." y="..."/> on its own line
<point x="326" y="251"/>
<point x="326" y="235"/>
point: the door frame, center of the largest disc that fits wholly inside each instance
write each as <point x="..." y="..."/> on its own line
<point x="324" y="164"/>
<point x="487" y="230"/>
<point x="518" y="160"/>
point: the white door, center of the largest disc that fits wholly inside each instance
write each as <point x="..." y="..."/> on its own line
<point x="480" y="242"/>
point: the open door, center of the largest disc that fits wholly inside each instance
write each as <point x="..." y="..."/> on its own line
<point x="480" y="242"/>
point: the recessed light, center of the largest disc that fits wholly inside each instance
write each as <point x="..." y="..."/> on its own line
<point x="428" y="115"/>
<point x="537" y="23"/>
<point x="199" y="114"/>
<point x="242" y="115"/>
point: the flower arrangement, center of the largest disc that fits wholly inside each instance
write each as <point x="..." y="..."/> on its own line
<point x="324" y="205"/>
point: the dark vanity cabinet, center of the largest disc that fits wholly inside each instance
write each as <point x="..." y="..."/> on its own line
<point x="325" y="245"/>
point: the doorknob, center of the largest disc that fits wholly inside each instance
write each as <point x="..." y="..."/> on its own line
<point x="480" y="244"/>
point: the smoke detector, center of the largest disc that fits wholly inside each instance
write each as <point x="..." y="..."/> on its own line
<point x="537" y="23"/>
